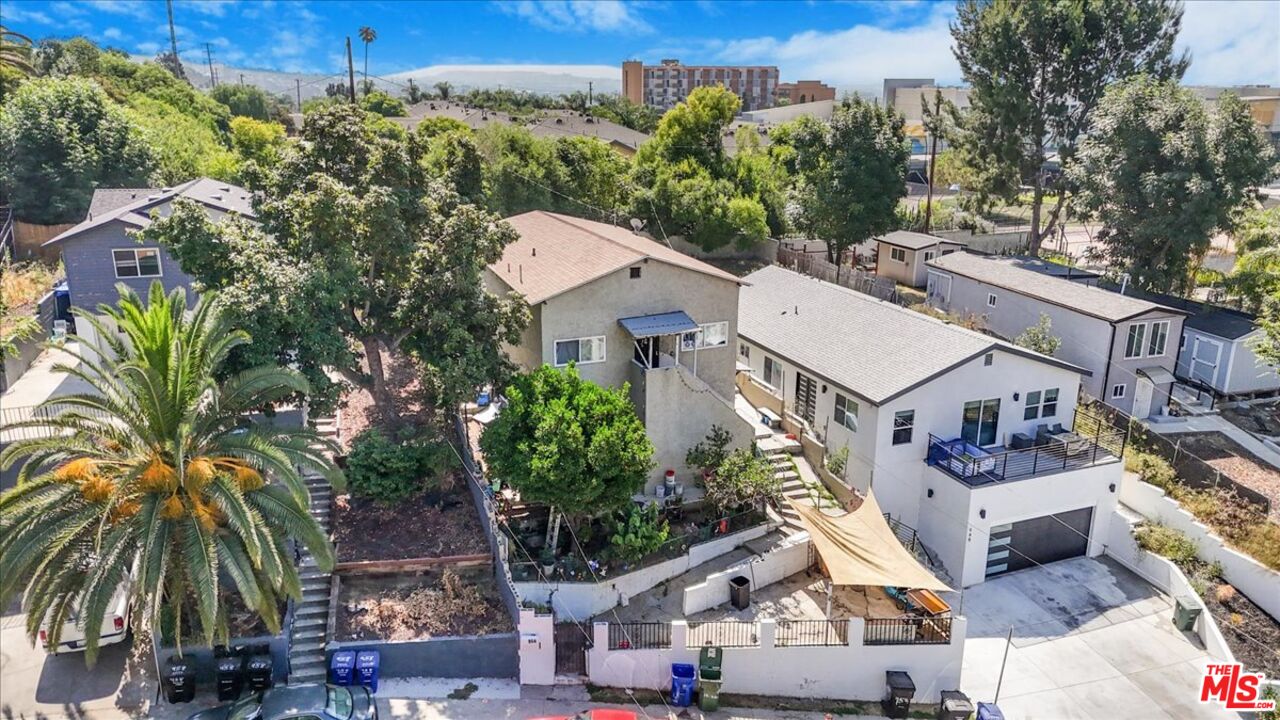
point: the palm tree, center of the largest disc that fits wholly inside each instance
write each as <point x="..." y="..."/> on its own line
<point x="160" y="472"/>
<point x="368" y="35"/>
<point x="444" y="87"/>
<point x="15" y="51"/>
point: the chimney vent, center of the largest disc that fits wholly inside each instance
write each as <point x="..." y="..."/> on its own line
<point x="535" y="252"/>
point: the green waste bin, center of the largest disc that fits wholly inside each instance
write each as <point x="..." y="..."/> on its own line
<point x="1185" y="613"/>
<point x="709" y="680"/>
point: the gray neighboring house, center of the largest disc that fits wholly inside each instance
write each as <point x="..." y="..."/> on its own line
<point x="1129" y="344"/>
<point x="626" y="309"/>
<point x="901" y="255"/>
<point x="101" y="252"/>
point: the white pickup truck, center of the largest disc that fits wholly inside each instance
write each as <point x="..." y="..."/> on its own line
<point x="115" y="625"/>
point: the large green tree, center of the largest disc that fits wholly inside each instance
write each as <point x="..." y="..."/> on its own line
<point x="1256" y="275"/>
<point x="850" y="174"/>
<point x="568" y="443"/>
<point x="385" y="259"/>
<point x="159" y="470"/>
<point x="1163" y="174"/>
<point x="1037" y="69"/>
<point x="61" y="139"/>
<point x="686" y="184"/>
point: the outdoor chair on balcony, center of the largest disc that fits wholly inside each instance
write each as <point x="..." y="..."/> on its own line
<point x="1021" y="441"/>
<point x="1042" y="435"/>
<point x="1057" y="429"/>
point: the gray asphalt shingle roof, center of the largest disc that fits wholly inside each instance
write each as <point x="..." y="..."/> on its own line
<point x="1006" y="273"/>
<point x="873" y="348"/>
<point x="915" y="240"/>
<point x="134" y="205"/>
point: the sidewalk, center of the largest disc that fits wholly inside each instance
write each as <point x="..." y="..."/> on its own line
<point x="1215" y="423"/>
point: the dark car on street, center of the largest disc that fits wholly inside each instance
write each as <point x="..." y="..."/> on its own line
<point x="298" y="702"/>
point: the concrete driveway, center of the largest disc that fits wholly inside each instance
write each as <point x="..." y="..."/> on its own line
<point x="1090" y="640"/>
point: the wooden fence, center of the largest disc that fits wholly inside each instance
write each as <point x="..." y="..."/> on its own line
<point x="815" y="265"/>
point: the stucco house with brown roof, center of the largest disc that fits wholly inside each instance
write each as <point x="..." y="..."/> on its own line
<point x="627" y="309"/>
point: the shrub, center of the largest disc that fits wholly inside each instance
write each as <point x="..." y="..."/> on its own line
<point x="388" y="471"/>
<point x="837" y="461"/>
<point x="1224" y="593"/>
<point x="742" y="479"/>
<point x="1153" y="469"/>
<point x="709" y="453"/>
<point x="1262" y="542"/>
<point x="1167" y="542"/>
<point x="640" y="534"/>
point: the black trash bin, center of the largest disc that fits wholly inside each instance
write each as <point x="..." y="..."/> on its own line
<point x="740" y="592"/>
<point x="257" y="669"/>
<point x="899" y="691"/>
<point x="228" y="668"/>
<point x="179" y="680"/>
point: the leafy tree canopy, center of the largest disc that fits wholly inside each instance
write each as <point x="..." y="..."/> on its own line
<point x="1163" y="174"/>
<point x="60" y="139"/>
<point x="379" y="102"/>
<point x="1038" y="69"/>
<point x="1040" y="337"/>
<point x="568" y="442"/>
<point x="252" y="102"/>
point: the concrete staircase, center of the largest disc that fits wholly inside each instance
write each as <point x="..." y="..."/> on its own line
<point x="793" y="488"/>
<point x="309" y="632"/>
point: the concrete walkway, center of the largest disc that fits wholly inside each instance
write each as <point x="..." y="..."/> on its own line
<point x="1090" y="640"/>
<point x="41" y="382"/>
<point x="1216" y="423"/>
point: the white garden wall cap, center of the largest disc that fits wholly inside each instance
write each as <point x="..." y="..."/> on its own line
<point x="557" y="253"/>
<point x="133" y="206"/>
<point x="1006" y="273"/>
<point x="875" y="349"/>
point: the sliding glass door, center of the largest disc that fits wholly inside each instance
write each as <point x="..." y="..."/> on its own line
<point x="980" y="420"/>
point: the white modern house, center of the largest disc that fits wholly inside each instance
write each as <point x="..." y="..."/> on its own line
<point x="1129" y="345"/>
<point x="625" y="309"/>
<point x="973" y="441"/>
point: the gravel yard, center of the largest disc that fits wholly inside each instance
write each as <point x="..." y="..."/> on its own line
<point x="434" y="604"/>
<point x="1228" y="457"/>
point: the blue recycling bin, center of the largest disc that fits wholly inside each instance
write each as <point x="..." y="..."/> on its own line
<point x="367" y="662"/>
<point x="682" y="679"/>
<point x="342" y="667"/>
<point x="988" y="711"/>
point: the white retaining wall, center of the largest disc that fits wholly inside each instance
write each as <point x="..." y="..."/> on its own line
<point x="760" y="570"/>
<point x="1251" y="577"/>
<point x="580" y="601"/>
<point x="853" y="672"/>
<point x="1161" y="572"/>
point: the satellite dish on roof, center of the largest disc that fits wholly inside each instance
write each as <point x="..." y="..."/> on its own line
<point x="637" y="224"/>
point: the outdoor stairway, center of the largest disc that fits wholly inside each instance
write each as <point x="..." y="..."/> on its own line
<point x="792" y="488"/>
<point x="309" y="632"/>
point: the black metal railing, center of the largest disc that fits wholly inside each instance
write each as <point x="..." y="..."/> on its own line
<point x="11" y="416"/>
<point x="723" y="633"/>
<point x="913" y="630"/>
<point x="1087" y="444"/>
<point x="639" y="636"/>
<point x="811" y="633"/>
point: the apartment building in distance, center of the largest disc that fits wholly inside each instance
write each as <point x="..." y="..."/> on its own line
<point x="804" y="91"/>
<point x="904" y="95"/>
<point x="665" y="85"/>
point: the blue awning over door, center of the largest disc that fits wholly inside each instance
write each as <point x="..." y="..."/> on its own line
<point x="669" y="323"/>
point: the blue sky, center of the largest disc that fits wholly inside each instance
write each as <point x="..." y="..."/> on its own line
<point x="849" y="44"/>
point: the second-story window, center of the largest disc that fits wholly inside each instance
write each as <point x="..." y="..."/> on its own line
<point x="904" y="423"/>
<point x="773" y="372"/>
<point x="1041" y="404"/>
<point x="709" y="335"/>
<point x="1159" y="338"/>
<point x="136" y="262"/>
<point x="1133" y="344"/>
<point x="846" y="412"/>
<point x="582" y="351"/>
<point x="744" y="351"/>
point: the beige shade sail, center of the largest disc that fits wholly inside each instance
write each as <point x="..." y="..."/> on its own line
<point x="859" y="548"/>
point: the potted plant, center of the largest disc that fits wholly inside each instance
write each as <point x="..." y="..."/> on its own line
<point x="709" y="453"/>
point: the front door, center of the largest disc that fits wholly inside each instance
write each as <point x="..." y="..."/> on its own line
<point x="806" y="397"/>
<point x="572" y="642"/>
<point x="1204" y="360"/>
<point x="647" y="353"/>
<point x="1142" y="393"/>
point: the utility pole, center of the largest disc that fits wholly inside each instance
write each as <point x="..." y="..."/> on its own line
<point x="351" y="73"/>
<point x="590" y="88"/>
<point x="933" y="128"/>
<point x="208" y="53"/>
<point x="297" y="83"/>
<point x="173" y="41"/>
<point x="241" y="79"/>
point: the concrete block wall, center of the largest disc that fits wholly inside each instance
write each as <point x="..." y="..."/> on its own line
<point x="762" y="571"/>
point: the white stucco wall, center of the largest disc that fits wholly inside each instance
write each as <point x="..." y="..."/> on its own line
<point x="762" y="571"/>
<point x="853" y="672"/>
<point x="537" y="648"/>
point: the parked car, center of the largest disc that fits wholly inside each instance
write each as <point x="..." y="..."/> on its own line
<point x="298" y="702"/>
<point x="115" y="625"/>
<point x="599" y="714"/>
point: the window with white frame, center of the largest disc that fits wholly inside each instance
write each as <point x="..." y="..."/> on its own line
<point x="137" y="262"/>
<point x="846" y="413"/>
<point x="710" y="335"/>
<point x="904" y="423"/>
<point x="1117" y="391"/>
<point x="991" y="299"/>
<point x="772" y="372"/>
<point x="898" y="255"/>
<point x="1133" y="344"/>
<point x="1041" y="404"/>
<point x="1159" y="338"/>
<point x="744" y="351"/>
<point x="582" y="351"/>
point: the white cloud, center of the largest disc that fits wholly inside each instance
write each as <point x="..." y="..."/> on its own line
<point x="217" y="8"/>
<point x="132" y="8"/>
<point x="147" y="48"/>
<point x="18" y="14"/>
<point x="1232" y="43"/>
<point x="112" y="33"/>
<point x="578" y="15"/>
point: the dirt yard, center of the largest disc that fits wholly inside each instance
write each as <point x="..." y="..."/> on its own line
<point x="428" y="525"/>
<point x="1227" y="456"/>
<point x="1253" y="636"/>
<point x="435" y="604"/>
<point x="1260" y="419"/>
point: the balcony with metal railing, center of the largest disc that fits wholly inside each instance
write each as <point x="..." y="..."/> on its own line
<point x="1088" y="443"/>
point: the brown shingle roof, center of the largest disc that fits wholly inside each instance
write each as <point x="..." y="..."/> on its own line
<point x="557" y="253"/>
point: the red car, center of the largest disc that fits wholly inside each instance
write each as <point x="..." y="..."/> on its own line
<point x="601" y="714"/>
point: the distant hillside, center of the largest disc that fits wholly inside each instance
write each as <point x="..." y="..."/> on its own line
<point x="546" y="79"/>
